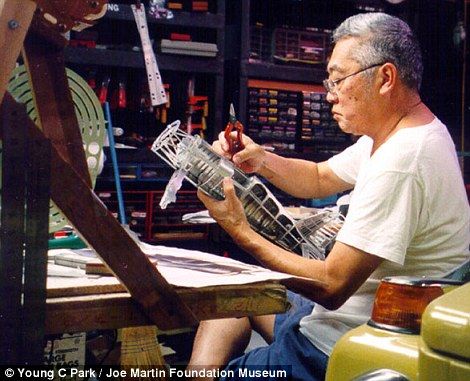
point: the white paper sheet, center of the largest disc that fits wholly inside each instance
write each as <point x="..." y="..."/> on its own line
<point x="191" y="268"/>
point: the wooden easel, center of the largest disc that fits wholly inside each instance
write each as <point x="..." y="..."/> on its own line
<point x="23" y="27"/>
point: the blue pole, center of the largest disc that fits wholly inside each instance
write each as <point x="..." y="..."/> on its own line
<point x="117" y="179"/>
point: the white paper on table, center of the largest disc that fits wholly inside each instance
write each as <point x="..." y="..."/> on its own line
<point x="187" y="268"/>
<point x="192" y="268"/>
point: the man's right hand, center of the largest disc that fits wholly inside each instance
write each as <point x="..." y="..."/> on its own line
<point x="249" y="160"/>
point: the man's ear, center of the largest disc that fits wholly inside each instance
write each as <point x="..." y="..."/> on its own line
<point x="387" y="77"/>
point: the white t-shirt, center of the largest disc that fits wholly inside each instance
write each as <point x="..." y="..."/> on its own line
<point x="409" y="206"/>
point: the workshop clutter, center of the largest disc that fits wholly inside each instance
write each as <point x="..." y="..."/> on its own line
<point x="187" y="39"/>
<point x="198" y="110"/>
<point x="135" y="121"/>
<point x="154" y="225"/>
<point x="289" y="45"/>
<point x="173" y="40"/>
<point x="190" y="5"/>
<point x="134" y="118"/>
<point x="318" y="125"/>
<point x="273" y="116"/>
<point x="301" y="46"/>
<point x="65" y="351"/>
<point x="290" y="120"/>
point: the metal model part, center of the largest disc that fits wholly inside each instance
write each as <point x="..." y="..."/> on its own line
<point x="320" y="230"/>
<point x="195" y="160"/>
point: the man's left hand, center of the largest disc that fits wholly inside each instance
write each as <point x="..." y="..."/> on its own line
<point x="228" y="213"/>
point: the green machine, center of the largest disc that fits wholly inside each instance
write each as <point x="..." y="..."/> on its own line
<point x="93" y="130"/>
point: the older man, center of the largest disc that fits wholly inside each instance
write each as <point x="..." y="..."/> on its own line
<point x="408" y="214"/>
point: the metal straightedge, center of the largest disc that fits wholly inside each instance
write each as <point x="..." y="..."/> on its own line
<point x="154" y="78"/>
<point x="195" y="160"/>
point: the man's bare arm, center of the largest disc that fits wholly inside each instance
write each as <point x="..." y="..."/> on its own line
<point x="302" y="178"/>
<point x="334" y="280"/>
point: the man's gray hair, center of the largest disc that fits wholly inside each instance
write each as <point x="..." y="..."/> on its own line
<point x="384" y="38"/>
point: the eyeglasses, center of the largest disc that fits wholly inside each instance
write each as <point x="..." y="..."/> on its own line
<point x="330" y="85"/>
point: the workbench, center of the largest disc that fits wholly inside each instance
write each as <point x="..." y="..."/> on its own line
<point x="85" y="304"/>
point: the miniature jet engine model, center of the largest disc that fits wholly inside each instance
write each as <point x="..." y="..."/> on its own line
<point x="195" y="160"/>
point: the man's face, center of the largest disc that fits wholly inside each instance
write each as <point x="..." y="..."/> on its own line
<point x="352" y="96"/>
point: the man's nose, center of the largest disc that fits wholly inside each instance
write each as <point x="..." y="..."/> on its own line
<point x="331" y="98"/>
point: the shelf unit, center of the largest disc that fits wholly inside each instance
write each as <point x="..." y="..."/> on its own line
<point x="123" y="12"/>
<point x="272" y="71"/>
<point x="129" y="59"/>
<point x="157" y="174"/>
<point x="119" y="16"/>
<point x="116" y="52"/>
<point x="265" y="73"/>
<point x="150" y="222"/>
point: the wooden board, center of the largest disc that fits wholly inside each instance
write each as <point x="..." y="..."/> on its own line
<point x="111" y="309"/>
<point x="107" y="237"/>
<point x="53" y="101"/>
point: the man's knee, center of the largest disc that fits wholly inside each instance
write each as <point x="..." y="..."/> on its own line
<point x="264" y="325"/>
<point x="217" y="341"/>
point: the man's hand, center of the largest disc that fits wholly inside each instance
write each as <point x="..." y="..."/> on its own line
<point x="249" y="160"/>
<point x="228" y="213"/>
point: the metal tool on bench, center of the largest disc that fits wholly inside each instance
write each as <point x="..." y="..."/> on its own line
<point x="195" y="160"/>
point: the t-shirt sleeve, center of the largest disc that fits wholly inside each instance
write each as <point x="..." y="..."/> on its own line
<point x="346" y="164"/>
<point x="383" y="216"/>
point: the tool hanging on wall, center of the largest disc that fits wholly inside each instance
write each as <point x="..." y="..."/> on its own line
<point x="122" y="96"/>
<point x="198" y="110"/>
<point x="103" y="90"/>
<point x="157" y="91"/>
